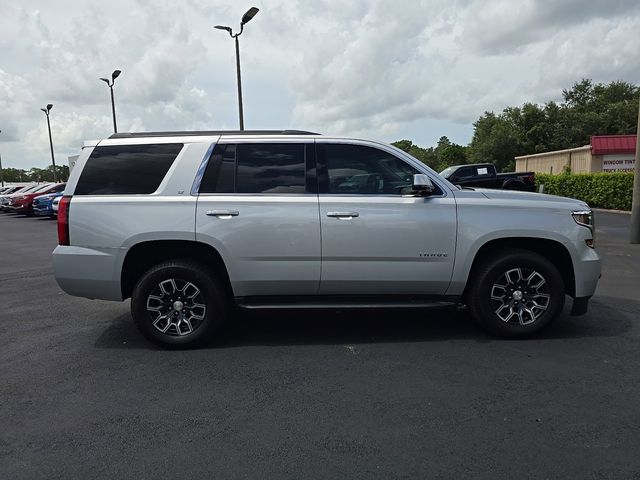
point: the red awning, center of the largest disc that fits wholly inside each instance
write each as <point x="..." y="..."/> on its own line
<point x="612" y="144"/>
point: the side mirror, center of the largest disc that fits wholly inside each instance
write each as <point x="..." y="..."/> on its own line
<point x="422" y="184"/>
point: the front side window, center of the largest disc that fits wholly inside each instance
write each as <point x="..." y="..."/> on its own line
<point x="126" y="169"/>
<point x="482" y="171"/>
<point x="359" y="169"/>
<point x="464" y="172"/>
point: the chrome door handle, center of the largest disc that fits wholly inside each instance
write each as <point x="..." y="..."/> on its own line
<point x="224" y="214"/>
<point x="345" y="215"/>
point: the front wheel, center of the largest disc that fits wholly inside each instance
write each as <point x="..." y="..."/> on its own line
<point x="178" y="304"/>
<point x="516" y="293"/>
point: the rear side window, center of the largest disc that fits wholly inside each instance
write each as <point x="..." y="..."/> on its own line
<point x="270" y="168"/>
<point x="256" y="168"/>
<point x="126" y="169"/>
<point x="220" y="176"/>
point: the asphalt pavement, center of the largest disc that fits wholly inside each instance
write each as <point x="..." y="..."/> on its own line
<point x="391" y="394"/>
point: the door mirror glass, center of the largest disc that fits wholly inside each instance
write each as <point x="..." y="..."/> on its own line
<point x="422" y="184"/>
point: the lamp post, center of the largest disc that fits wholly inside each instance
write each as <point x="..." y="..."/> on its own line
<point x="635" y="196"/>
<point x="46" y="111"/>
<point x="114" y="75"/>
<point x="245" y="19"/>
<point x="1" y="176"/>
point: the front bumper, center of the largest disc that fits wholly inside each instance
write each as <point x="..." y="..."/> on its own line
<point x="20" y="208"/>
<point x="43" y="211"/>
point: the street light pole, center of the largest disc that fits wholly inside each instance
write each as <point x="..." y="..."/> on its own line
<point x="46" y="111"/>
<point x="1" y="175"/>
<point x="114" y="75"/>
<point x="635" y="203"/>
<point x="241" y="113"/>
<point x="249" y="14"/>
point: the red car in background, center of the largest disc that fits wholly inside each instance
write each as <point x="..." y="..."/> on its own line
<point x="24" y="203"/>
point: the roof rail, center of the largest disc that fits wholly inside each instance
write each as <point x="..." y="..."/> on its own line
<point x="210" y="133"/>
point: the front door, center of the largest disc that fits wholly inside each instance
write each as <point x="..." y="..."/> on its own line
<point x="376" y="237"/>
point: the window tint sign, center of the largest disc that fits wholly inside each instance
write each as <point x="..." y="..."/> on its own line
<point x="618" y="163"/>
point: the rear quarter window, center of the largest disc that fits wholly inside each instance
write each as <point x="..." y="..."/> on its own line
<point x="126" y="169"/>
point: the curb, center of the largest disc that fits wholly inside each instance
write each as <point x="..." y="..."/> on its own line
<point x="611" y="211"/>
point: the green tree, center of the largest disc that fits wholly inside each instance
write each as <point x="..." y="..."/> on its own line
<point x="425" y="155"/>
<point x="586" y="110"/>
<point x="46" y="174"/>
<point x="448" y="153"/>
<point x="15" y="175"/>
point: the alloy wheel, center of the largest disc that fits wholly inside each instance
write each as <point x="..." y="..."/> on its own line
<point x="176" y="307"/>
<point x="520" y="296"/>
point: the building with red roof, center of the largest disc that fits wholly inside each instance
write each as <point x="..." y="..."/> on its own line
<point x="605" y="153"/>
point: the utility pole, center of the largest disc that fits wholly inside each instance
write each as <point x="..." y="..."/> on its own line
<point x="635" y="205"/>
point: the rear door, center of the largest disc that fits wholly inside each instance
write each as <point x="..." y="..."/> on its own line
<point x="377" y="238"/>
<point x="258" y="206"/>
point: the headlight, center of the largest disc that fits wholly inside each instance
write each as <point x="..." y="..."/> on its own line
<point x="585" y="218"/>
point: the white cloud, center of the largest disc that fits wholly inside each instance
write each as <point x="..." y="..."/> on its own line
<point x="370" y="68"/>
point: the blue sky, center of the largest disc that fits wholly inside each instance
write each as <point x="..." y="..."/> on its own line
<point x="376" y="69"/>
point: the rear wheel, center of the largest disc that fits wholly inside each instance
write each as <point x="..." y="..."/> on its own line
<point x="516" y="293"/>
<point x="178" y="304"/>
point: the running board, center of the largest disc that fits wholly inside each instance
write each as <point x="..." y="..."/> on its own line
<point x="347" y="302"/>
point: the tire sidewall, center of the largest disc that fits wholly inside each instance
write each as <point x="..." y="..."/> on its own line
<point x="203" y="280"/>
<point x="482" y="307"/>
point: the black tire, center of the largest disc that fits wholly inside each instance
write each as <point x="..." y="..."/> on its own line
<point x="519" y="311"/>
<point x="183" y="328"/>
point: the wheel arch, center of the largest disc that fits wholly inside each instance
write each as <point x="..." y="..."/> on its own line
<point x="553" y="250"/>
<point x="142" y="256"/>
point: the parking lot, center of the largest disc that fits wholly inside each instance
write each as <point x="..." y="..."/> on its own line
<point x="392" y="394"/>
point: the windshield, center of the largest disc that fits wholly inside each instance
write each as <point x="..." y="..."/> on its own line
<point x="27" y="188"/>
<point x="41" y="188"/>
<point x="447" y="171"/>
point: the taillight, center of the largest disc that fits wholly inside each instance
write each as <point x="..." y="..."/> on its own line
<point x="63" y="220"/>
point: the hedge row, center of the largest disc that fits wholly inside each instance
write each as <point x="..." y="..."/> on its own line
<point x="602" y="190"/>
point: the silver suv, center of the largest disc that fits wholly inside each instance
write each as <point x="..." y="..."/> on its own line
<point x="191" y="225"/>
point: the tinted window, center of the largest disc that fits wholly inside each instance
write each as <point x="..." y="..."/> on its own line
<point x="221" y="170"/>
<point x="482" y="171"/>
<point x="270" y="168"/>
<point x="126" y="169"/>
<point x="464" y="172"/>
<point x="41" y="188"/>
<point x="359" y="169"/>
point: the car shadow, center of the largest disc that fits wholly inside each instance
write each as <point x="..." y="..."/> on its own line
<point x="329" y="327"/>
